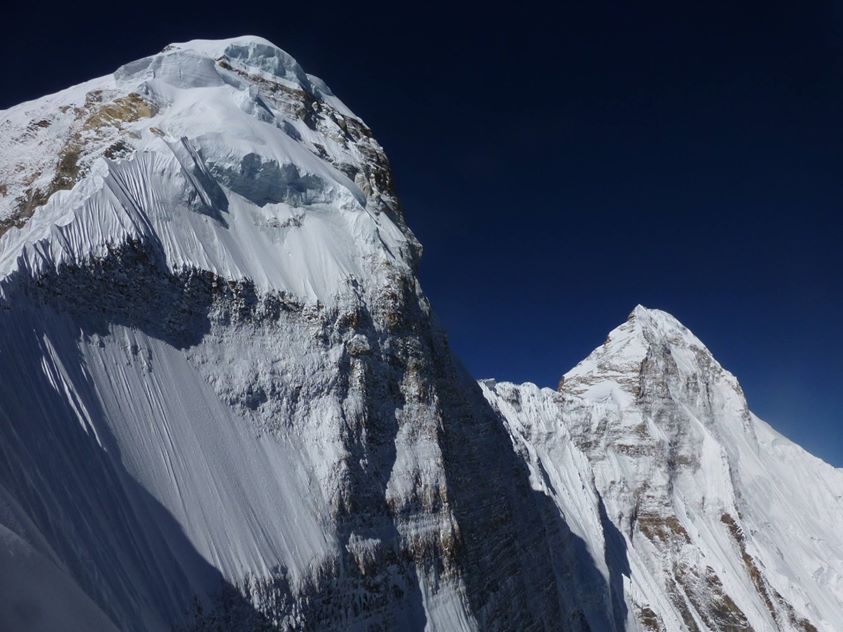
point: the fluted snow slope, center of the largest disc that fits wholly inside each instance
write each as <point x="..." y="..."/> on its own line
<point x="699" y="515"/>
<point x="279" y="182"/>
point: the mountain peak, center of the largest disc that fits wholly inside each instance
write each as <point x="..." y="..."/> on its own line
<point x="688" y="488"/>
<point x="621" y="359"/>
<point x="657" y="321"/>
<point x="655" y="327"/>
<point x="224" y="153"/>
<point x="238" y="40"/>
<point x="250" y="51"/>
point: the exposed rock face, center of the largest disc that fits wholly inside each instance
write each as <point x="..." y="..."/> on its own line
<point x="704" y="517"/>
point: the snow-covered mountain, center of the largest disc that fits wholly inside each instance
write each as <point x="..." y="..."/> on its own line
<point x="697" y="513"/>
<point x="225" y="402"/>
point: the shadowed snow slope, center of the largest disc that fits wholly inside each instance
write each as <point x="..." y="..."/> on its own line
<point x="699" y="515"/>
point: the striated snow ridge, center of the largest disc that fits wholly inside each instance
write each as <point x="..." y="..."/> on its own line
<point x="697" y="513"/>
<point x="224" y="152"/>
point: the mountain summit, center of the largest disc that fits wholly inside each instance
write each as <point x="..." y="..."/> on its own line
<point x="645" y="334"/>
<point x="704" y="517"/>
<point x="225" y="403"/>
<point x="212" y="149"/>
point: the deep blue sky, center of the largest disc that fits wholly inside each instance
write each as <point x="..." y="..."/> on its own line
<point x="561" y="166"/>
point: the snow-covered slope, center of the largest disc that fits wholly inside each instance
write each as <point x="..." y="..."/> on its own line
<point x="698" y="514"/>
<point x="224" y="402"/>
<point x="279" y="182"/>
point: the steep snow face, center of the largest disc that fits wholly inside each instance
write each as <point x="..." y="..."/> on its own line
<point x="224" y="403"/>
<point x="226" y="152"/>
<point x="698" y="514"/>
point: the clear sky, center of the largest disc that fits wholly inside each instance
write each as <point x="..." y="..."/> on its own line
<point x="562" y="165"/>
